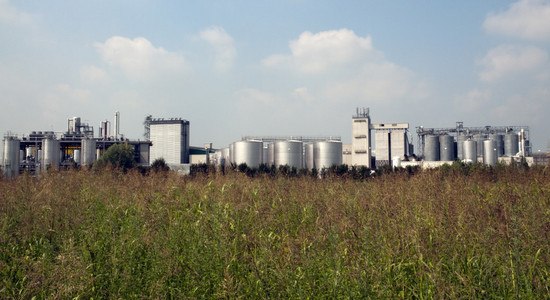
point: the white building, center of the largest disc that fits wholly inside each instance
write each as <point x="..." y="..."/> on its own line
<point x="170" y="138"/>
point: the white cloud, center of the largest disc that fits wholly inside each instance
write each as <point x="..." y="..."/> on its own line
<point x="316" y="53"/>
<point x="526" y="19"/>
<point x="352" y="69"/>
<point x="11" y="15"/>
<point x="250" y="96"/>
<point x="92" y="75"/>
<point x="530" y="108"/>
<point x="138" y="58"/>
<point x="506" y="60"/>
<point x="302" y="94"/>
<point x="223" y="43"/>
<point x="473" y="100"/>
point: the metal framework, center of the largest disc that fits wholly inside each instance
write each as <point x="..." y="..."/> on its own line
<point x="307" y="139"/>
<point x="460" y="129"/>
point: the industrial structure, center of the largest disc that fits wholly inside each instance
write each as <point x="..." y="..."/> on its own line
<point x="41" y="150"/>
<point x="487" y="144"/>
<point x="170" y="140"/>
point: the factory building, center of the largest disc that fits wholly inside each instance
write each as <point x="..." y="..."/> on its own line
<point x="391" y="142"/>
<point x="361" y="139"/>
<point x="41" y="150"/>
<point x="170" y="139"/>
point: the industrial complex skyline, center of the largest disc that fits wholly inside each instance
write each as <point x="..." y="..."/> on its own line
<point x="300" y="67"/>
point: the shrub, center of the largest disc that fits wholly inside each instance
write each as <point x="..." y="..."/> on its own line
<point x="118" y="156"/>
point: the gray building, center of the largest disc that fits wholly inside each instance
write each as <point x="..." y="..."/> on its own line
<point x="361" y="138"/>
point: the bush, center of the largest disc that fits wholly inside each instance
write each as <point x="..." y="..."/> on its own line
<point x="118" y="156"/>
<point x="159" y="165"/>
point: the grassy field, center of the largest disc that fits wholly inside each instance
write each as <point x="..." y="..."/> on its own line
<point x="436" y="234"/>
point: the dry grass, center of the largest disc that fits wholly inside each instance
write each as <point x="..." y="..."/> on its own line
<point x="437" y="234"/>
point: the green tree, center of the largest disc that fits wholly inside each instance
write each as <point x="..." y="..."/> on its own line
<point x="118" y="156"/>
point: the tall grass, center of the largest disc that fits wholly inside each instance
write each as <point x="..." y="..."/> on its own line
<point x="436" y="234"/>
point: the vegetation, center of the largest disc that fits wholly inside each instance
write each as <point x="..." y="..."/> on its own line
<point x="456" y="232"/>
<point x="118" y="156"/>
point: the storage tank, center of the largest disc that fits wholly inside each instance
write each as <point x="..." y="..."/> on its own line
<point x="459" y="145"/>
<point x="327" y="154"/>
<point x="271" y="154"/>
<point x="479" y="138"/>
<point x="76" y="156"/>
<point x="446" y="148"/>
<point x="511" y="147"/>
<point x="309" y="156"/>
<point x="431" y="148"/>
<point x="289" y="153"/>
<point x="232" y="153"/>
<point x="499" y="138"/>
<point x="50" y="153"/>
<point x="265" y="158"/>
<point x="469" y="148"/>
<point x="490" y="154"/>
<point x="225" y="159"/>
<point x="248" y="152"/>
<point x="88" y="154"/>
<point x="11" y="157"/>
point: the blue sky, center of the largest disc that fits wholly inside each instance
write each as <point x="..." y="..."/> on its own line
<point x="236" y="68"/>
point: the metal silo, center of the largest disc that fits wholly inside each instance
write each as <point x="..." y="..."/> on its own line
<point x="327" y="154"/>
<point x="479" y="138"/>
<point x="309" y="157"/>
<point x="225" y="159"/>
<point x="265" y="158"/>
<point x="50" y="153"/>
<point x="232" y="153"/>
<point x="88" y="154"/>
<point x="431" y="148"/>
<point x="289" y="153"/>
<point x="490" y="154"/>
<point x="446" y="148"/>
<point x="248" y="152"/>
<point x="459" y="145"/>
<point x="76" y="156"/>
<point x="499" y="138"/>
<point x="511" y="147"/>
<point x="469" y="151"/>
<point x="11" y="156"/>
<point x="271" y="154"/>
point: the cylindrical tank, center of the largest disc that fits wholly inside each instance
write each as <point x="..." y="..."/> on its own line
<point x="225" y="160"/>
<point x="265" y="158"/>
<point x="248" y="152"/>
<point x="309" y="156"/>
<point x="479" y="138"/>
<point x="459" y="143"/>
<point x="50" y="153"/>
<point x="431" y="148"/>
<point x="271" y="154"/>
<point x="289" y="153"/>
<point x="232" y="153"/>
<point x="76" y="156"/>
<point x="327" y="154"/>
<point x="490" y="154"/>
<point x="11" y="156"/>
<point x="446" y="148"/>
<point x="469" y="148"/>
<point x="511" y="147"/>
<point x="88" y="147"/>
<point x="499" y="138"/>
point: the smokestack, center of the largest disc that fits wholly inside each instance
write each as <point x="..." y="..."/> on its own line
<point x="117" y="125"/>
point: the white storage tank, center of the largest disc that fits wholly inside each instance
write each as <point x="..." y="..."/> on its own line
<point x="50" y="153"/>
<point x="511" y="144"/>
<point x="289" y="153"/>
<point x="76" y="156"/>
<point x="271" y="154"/>
<point x="499" y="138"/>
<point x="11" y="157"/>
<point x="469" y="148"/>
<point x="490" y="153"/>
<point x="327" y="154"/>
<point x="459" y="144"/>
<point x="88" y="154"/>
<point x="309" y="157"/>
<point x="248" y="152"/>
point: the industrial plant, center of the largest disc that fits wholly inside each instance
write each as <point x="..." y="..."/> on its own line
<point x="168" y="138"/>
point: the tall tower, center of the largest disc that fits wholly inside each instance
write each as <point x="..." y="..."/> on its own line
<point x="360" y="146"/>
<point x="170" y="140"/>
